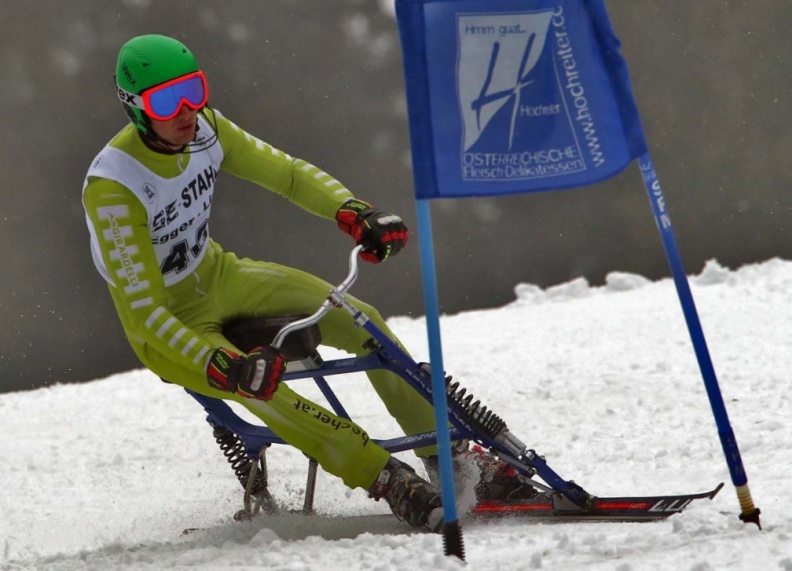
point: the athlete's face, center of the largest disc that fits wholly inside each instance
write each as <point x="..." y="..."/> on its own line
<point x="178" y="131"/>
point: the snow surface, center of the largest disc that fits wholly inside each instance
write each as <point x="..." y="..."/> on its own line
<point x="601" y="380"/>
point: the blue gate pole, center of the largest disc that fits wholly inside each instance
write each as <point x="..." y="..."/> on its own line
<point x="750" y="513"/>
<point x="452" y="532"/>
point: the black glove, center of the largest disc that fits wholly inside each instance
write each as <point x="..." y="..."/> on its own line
<point x="255" y="375"/>
<point x="382" y="234"/>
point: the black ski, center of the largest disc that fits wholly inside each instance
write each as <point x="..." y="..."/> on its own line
<point x="555" y="507"/>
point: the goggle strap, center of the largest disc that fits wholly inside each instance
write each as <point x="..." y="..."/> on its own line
<point x="130" y="99"/>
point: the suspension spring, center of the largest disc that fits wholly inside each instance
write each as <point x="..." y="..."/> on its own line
<point x="479" y="417"/>
<point x="234" y="450"/>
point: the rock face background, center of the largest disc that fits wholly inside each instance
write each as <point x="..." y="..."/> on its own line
<point x="323" y="81"/>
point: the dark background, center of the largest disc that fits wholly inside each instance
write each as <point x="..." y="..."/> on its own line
<point x="323" y="81"/>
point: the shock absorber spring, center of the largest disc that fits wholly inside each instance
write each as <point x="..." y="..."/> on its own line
<point x="234" y="450"/>
<point x="474" y="412"/>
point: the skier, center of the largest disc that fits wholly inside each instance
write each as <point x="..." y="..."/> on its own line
<point x="148" y="198"/>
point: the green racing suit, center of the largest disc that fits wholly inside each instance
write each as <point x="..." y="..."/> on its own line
<point x="174" y="287"/>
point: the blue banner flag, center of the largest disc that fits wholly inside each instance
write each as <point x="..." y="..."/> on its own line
<point x="513" y="96"/>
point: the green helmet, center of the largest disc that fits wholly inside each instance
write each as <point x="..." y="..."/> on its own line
<point x="146" y="61"/>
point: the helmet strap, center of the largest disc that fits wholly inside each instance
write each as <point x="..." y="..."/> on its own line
<point x="157" y="143"/>
<point x="160" y="145"/>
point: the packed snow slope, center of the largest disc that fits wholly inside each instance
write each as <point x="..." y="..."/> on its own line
<point x="602" y="381"/>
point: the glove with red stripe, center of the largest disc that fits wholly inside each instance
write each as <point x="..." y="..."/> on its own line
<point x="255" y="375"/>
<point x="382" y="234"/>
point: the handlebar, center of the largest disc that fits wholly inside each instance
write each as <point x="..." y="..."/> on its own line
<point x="336" y="298"/>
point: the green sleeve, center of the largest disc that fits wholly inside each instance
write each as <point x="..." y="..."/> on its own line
<point x="120" y="224"/>
<point x="300" y="182"/>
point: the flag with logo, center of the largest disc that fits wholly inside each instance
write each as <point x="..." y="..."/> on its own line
<point x="512" y="96"/>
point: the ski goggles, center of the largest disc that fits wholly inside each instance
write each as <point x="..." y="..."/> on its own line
<point x="164" y="101"/>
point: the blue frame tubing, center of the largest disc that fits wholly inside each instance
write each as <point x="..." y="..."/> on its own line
<point x="388" y="355"/>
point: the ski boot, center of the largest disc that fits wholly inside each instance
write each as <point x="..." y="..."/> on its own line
<point x="411" y="498"/>
<point x="496" y="479"/>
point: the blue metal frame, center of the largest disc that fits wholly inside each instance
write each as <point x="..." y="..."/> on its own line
<point x="389" y="356"/>
<point x="256" y="437"/>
